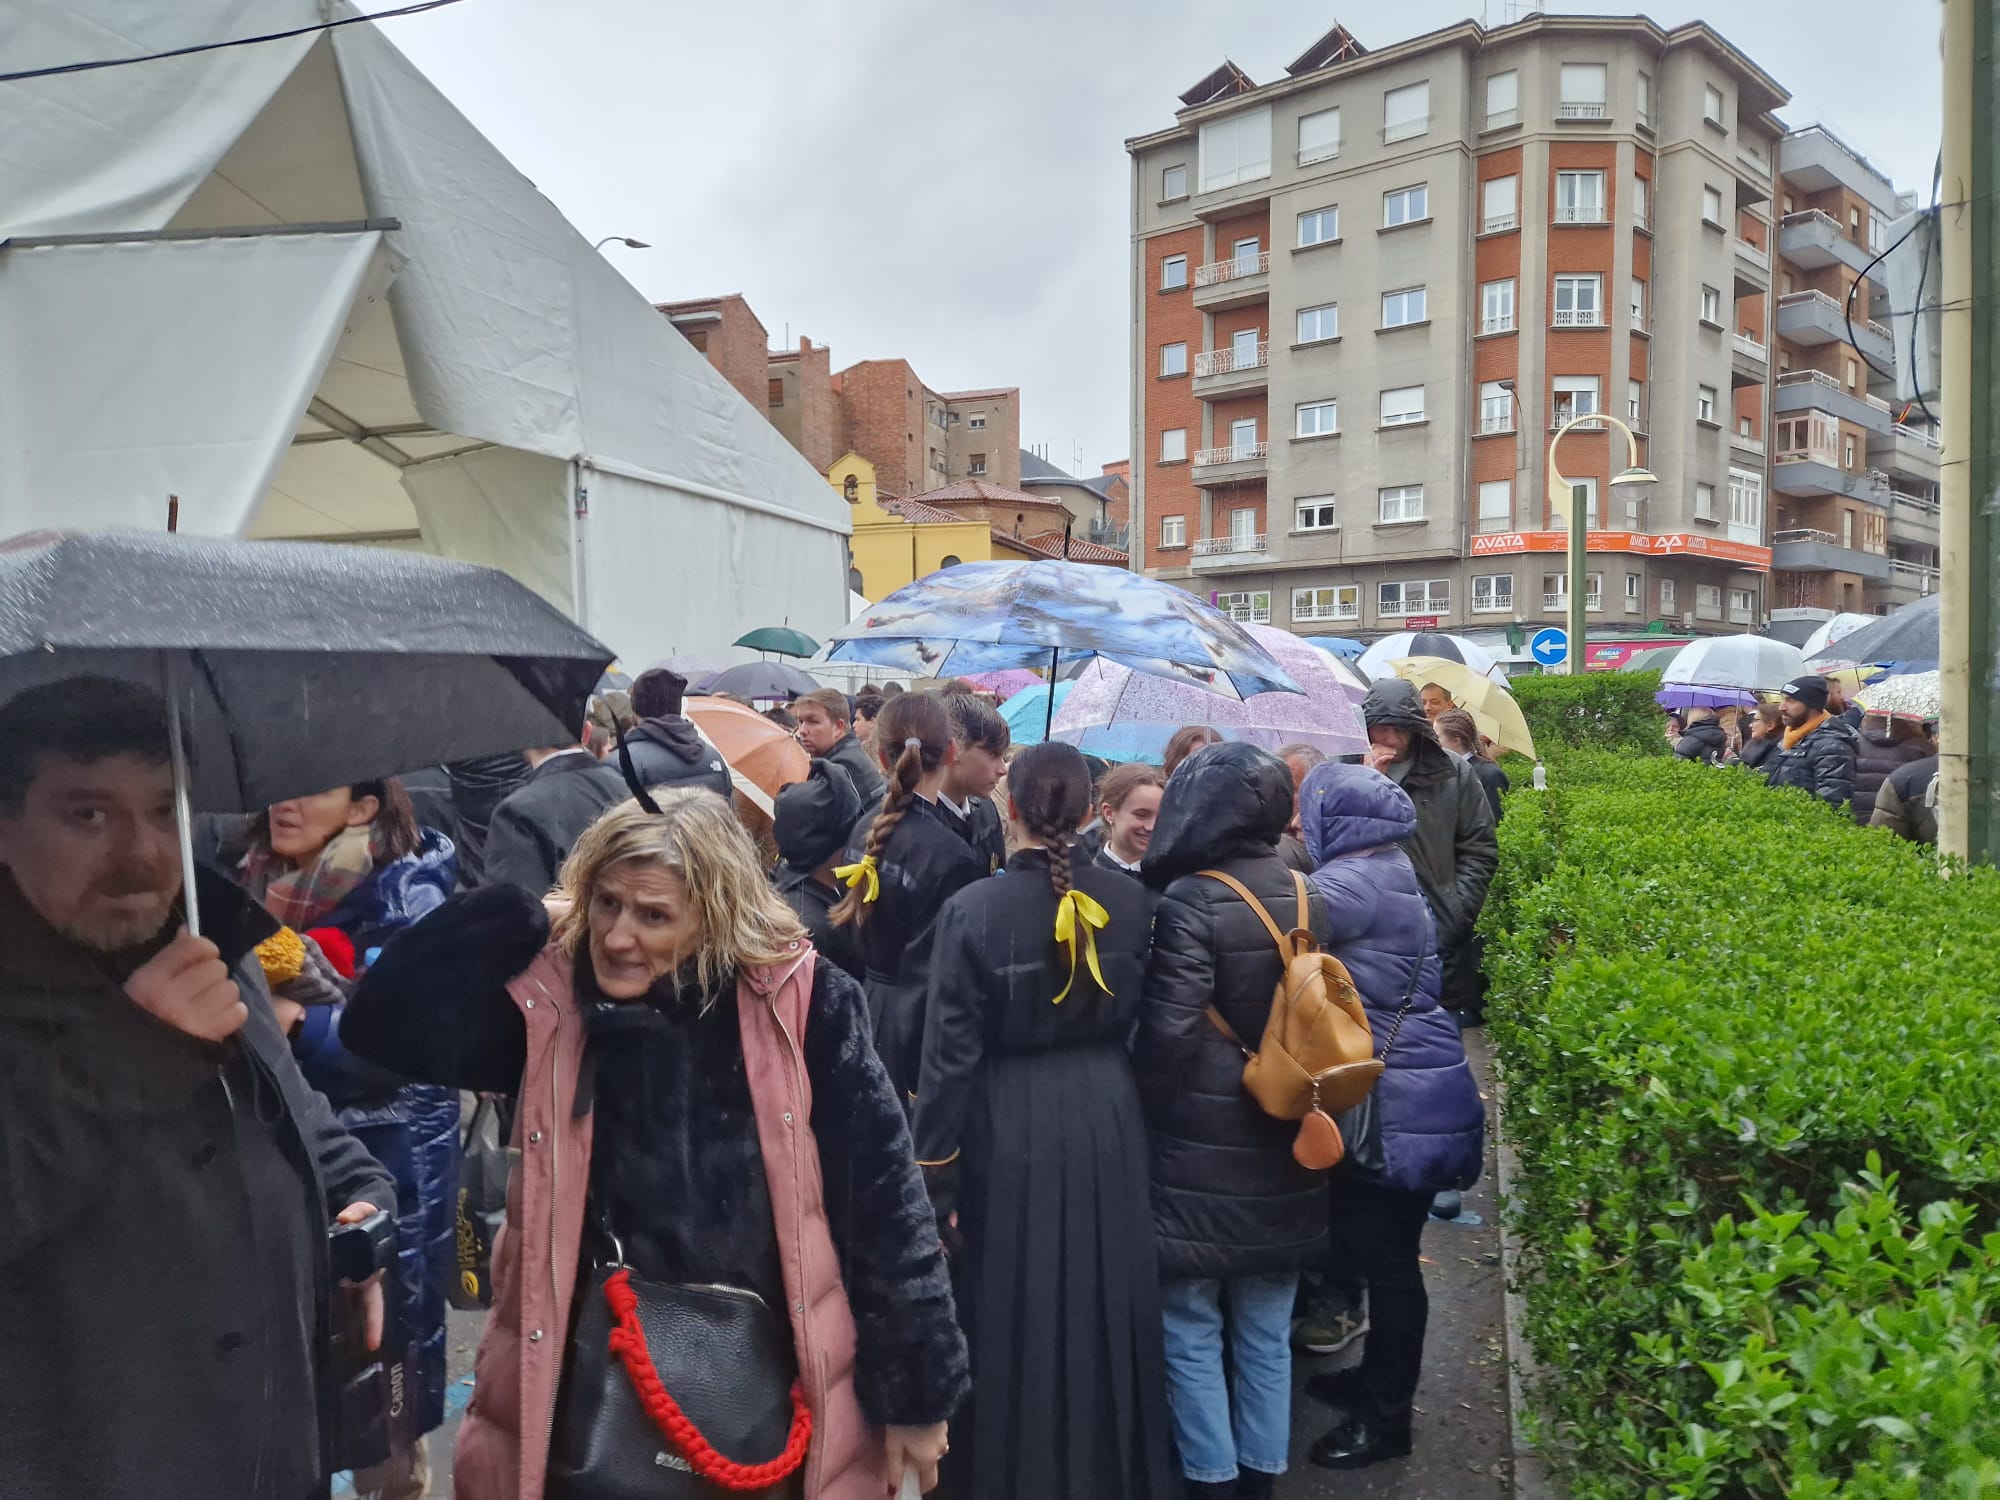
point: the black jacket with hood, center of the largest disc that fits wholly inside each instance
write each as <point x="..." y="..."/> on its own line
<point x="1877" y="758"/>
<point x="669" y="752"/>
<point x="1702" y="742"/>
<point x="538" y="822"/>
<point x="1822" y="763"/>
<point x="1228" y="1199"/>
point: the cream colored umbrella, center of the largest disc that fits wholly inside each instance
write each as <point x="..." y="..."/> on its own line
<point x="1491" y="705"/>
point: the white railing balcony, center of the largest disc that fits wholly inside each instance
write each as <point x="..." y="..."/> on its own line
<point x="1323" y="616"/>
<point x="1800" y="534"/>
<point x="1495" y="223"/>
<point x="1757" y="256"/>
<point x="1580" y="213"/>
<point x="1922" y="504"/>
<point x="1499" y="117"/>
<point x="1749" y="348"/>
<point x="1814" y="377"/>
<point x="1218" y="546"/>
<point x="1876" y="328"/>
<point x="1236" y="453"/>
<point x="1555" y="603"/>
<point x="1249" y="614"/>
<point x="1223" y="361"/>
<point x="1564" y="412"/>
<point x="1915" y="435"/>
<point x="1810" y="299"/>
<point x="1747" y="443"/>
<point x="1578" y="317"/>
<point x="1234" y="269"/>
<point x="1497" y="325"/>
<point x="1811" y="216"/>
<point x="1497" y="424"/>
<point x="1923" y="572"/>
<point x="1583" y="109"/>
<point x="1811" y="453"/>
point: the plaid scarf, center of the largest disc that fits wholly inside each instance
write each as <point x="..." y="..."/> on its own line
<point x="302" y="896"/>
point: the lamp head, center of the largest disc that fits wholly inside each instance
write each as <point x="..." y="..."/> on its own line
<point x="631" y="244"/>
<point x="1635" y="476"/>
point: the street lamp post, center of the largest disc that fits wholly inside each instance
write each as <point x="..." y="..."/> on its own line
<point x="621" y="239"/>
<point x="1571" y="497"/>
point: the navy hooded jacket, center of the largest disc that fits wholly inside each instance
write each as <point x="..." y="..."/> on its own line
<point x="1380" y="927"/>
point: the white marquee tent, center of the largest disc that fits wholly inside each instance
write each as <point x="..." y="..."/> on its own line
<point x="291" y="284"/>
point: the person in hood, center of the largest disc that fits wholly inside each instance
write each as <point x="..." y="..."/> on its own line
<point x="1454" y="846"/>
<point x="813" y="821"/>
<point x="1886" y="746"/>
<point x="1236" y="1216"/>
<point x="977" y="762"/>
<point x="537" y="823"/>
<point x="1818" y="751"/>
<point x="666" y="749"/>
<point x="350" y="868"/>
<point x="824" y="729"/>
<point x="1767" y="728"/>
<point x="1907" y="801"/>
<point x="1702" y="739"/>
<point x="1431" y="1125"/>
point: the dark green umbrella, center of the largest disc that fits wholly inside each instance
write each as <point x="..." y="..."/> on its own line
<point x="780" y="639"/>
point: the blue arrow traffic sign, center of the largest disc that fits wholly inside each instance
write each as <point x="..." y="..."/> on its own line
<point x="1549" y="646"/>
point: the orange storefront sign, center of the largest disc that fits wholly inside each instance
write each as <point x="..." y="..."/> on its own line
<point x="1742" y="554"/>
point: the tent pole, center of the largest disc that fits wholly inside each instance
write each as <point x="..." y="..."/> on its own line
<point x="1049" y="718"/>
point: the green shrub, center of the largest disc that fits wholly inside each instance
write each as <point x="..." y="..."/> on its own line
<point x="1597" y="711"/>
<point x="1749" y="1056"/>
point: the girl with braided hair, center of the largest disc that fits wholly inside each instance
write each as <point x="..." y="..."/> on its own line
<point x="908" y="864"/>
<point x="1030" y="1131"/>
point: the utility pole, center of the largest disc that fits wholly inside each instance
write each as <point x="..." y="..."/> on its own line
<point x="1970" y="400"/>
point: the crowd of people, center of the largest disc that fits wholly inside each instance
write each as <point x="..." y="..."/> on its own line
<point x="939" y="1074"/>
<point x="1882" y="769"/>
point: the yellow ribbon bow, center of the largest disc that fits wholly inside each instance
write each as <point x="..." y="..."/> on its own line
<point x="856" y="874"/>
<point x="1078" y="921"/>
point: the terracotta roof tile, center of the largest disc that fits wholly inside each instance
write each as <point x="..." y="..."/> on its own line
<point x="918" y="512"/>
<point x="979" y="492"/>
<point x="1050" y="543"/>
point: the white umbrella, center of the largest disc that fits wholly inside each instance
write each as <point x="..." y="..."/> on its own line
<point x="1840" y="625"/>
<point x="1743" y="663"/>
<point x="1376" y="661"/>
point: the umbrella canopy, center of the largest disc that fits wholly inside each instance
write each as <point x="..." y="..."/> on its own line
<point x="1910" y="634"/>
<point x="1491" y="705"/>
<point x="1375" y="661"/>
<point x="1914" y="695"/>
<point x="298" y="666"/>
<point x="1838" y="628"/>
<point x="1004" y="683"/>
<point x="761" y="679"/>
<point x="1124" y="715"/>
<point x="1027" y="712"/>
<point x="780" y="640"/>
<point x="1652" y="659"/>
<point x="1339" y="645"/>
<point x="761" y="757"/>
<point x="1732" y="669"/>
<point x="977" y="617"/>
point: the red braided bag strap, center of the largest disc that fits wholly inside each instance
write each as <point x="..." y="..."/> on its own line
<point x="628" y="1342"/>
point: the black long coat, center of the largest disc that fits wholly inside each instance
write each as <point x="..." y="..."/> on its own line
<point x="537" y="823"/>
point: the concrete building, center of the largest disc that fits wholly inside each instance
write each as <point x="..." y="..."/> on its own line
<point x="1100" y="507"/>
<point x="1854" y="479"/>
<point x="1368" y="292"/>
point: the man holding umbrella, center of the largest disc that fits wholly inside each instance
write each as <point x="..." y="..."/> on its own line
<point x="169" y="1177"/>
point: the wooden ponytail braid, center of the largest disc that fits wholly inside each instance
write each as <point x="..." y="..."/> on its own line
<point x="852" y="910"/>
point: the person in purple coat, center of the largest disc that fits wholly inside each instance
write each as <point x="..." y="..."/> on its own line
<point x="1432" y="1121"/>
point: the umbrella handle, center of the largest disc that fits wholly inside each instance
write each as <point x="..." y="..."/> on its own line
<point x="183" y="808"/>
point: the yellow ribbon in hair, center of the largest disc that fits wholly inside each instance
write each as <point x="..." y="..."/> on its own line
<point x="1078" y="921"/>
<point x="856" y="874"/>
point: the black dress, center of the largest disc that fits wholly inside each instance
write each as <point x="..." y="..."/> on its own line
<point x="923" y="865"/>
<point x="1031" y="1112"/>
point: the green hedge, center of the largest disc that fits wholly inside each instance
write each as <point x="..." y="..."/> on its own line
<point x="1750" y="1057"/>
<point x="1597" y="711"/>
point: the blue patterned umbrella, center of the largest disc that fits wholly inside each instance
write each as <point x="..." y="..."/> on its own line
<point x="978" y="617"/>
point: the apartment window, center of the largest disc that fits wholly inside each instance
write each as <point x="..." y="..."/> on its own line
<point x="1173" y="359"/>
<point x="1582" y="91"/>
<point x="1746" y="505"/>
<point x="1318" y="418"/>
<point x="1666" y="596"/>
<point x="1406" y="112"/>
<point x="1743" y="606"/>
<point x="1631" y="593"/>
<point x="1319" y="227"/>
<point x="1236" y="149"/>
<point x="976" y="420"/>
<point x="1399" y="503"/>
<point x="1400" y="309"/>
<point x="1555" y="591"/>
<point x="1246" y="608"/>
<point x="1704" y="404"/>
<point x="1501" y="205"/>
<point x="1427" y="596"/>
<point x="1704" y="502"/>
<point x="1877" y="232"/>
<point x="1243" y="438"/>
<point x="1711" y="306"/>
<point x="1638" y="303"/>
<point x="1579" y="197"/>
<point x="1560" y="504"/>
<point x="1317" y="324"/>
<point x="1503" y="100"/>
<point x="1642" y="197"/>
<point x="1243" y="348"/>
<point x="976" y="466"/>
<point x="1575" y="396"/>
<point x="1708" y="601"/>
<point x="1711" y="104"/>
<point x="1341" y="602"/>
<point x="1847" y="454"/>
<point x="1493" y="593"/>
<point x="1173" y="273"/>
<point x="1635" y="405"/>
<point x="1853" y="376"/>
<point x="1243" y="529"/>
<point x="1496" y="505"/>
<point x="1248" y="256"/>
<point x="1496" y="407"/>
<point x="1173" y="531"/>
<point x="1173" y="445"/>
<point x="1406" y="205"/>
<point x="1642" y="99"/>
<point x="1173" y="184"/>
<point x="1403" y="406"/>
<point x="1496" y="306"/>
<point x="1579" y="301"/>
<point x="1316" y="513"/>
<point x="1319" y="136"/>
<point x="774" y="393"/>
<point x="1711" y="206"/>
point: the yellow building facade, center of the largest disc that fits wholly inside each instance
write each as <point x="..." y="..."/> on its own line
<point x="889" y="550"/>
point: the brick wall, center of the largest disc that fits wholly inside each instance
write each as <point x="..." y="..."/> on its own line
<point x="880" y="402"/>
<point x="818" y="415"/>
<point x="733" y="342"/>
<point x="1167" y="318"/>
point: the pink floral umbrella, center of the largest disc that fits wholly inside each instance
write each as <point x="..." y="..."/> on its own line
<point x="1005" y="682"/>
<point x="1125" y="715"/>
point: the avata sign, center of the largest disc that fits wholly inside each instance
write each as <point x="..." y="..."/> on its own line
<point x="1691" y="544"/>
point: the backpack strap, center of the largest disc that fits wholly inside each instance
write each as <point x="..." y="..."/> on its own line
<point x="1305" y="906"/>
<point x="1215" y="1017"/>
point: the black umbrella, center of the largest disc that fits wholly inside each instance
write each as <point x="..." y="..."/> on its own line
<point x="292" y="667"/>
<point x="1910" y="634"/>
<point x="761" y="679"/>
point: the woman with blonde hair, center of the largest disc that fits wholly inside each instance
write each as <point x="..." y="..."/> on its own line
<point x="700" y="1116"/>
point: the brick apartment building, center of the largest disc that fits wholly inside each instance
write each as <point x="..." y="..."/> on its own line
<point x="1854" y="479"/>
<point x="1368" y="292"/>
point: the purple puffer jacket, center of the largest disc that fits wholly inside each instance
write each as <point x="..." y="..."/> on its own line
<point x="1433" y="1121"/>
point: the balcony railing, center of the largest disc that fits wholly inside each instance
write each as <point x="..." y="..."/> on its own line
<point x="1217" y="546"/>
<point x="1497" y="325"/>
<point x="1234" y="269"/>
<point x="1312" y="616"/>
<point x="1747" y="443"/>
<point x="1236" y="453"/>
<point x="1580" y="213"/>
<point x="1915" y="435"/>
<point x="1812" y="453"/>
<point x="1825" y="381"/>
<point x="1922" y="504"/>
<point x="1811" y="216"/>
<point x="1497" y="424"/>
<point x="1499" y="117"/>
<point x="1756" y="255"/>
<point x="1738" y="615"/>
<point x="1564" y="412"/>
<point x="1582" y="109"/>
<point x="1579" y="317"/>
<point x="1749" y="348"/>
<point x="1248" y="614"/>
<point x="1223" y="361"/>
<point x="1921" y="571"/>
<point x="1791" y="534"/>
<point x="1495" y="223"/>
<point x="1554" y="602"/>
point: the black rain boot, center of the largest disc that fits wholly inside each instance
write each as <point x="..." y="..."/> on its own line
<point x="1359" y="1439"/>
<point x="1254" y="1484"/>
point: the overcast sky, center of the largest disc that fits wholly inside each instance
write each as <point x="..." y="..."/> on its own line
<point x="948" y="183"/>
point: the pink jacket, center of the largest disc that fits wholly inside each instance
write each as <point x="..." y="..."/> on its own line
<point x="503" y="1447"/>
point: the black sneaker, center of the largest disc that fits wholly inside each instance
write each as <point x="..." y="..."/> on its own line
<point x="1356" y="1441"/>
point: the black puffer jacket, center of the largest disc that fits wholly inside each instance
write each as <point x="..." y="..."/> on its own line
<point x="1877" y="758"/>
<point x="1228" y="1199"/>
<point x="669" y="752"/>
<point x="1756" y="755"/>
<point x="1703" y="742"/>
<point x="1822" y="763"/>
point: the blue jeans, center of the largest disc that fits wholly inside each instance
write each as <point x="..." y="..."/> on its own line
<point x="1219" y="1430"/>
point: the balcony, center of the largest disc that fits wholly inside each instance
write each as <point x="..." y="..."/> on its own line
<point x="1581" y="213"/>
<point x="1909" y="451"/>
<point x="1817" y="471"/>
<point x="1236" y="282"/>
<point x="1756" y="255"/>
<point x="1490" y="425"/>
<point x="1743" y="442"/>
<point x="1499" y="223"/>
<point x="1215" y="552"/>
<point x="1913" y="519"/>
<point x="1232" y="371"/>
<point x="1814" y="240"/>
<point x="1802" y="549"/>
<point x="1497" y="325"/>
<point x="1564" y="411"/>
<point x="1228" y="465"/>
<point x="1813" y="318"/>
<point x="1815" y="390"/>
<point x="1577" y="317"/>
<point x="1906" y="583"/>
<point x="1558" y="604"/>
<point x="1749" y="361"/>
<point x="1583" y="109"/>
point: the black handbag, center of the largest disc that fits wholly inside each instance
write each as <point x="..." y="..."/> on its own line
<point x="484" y="1166"/>
<point x="1361" y="1125"/>
<point x="677" y="1393"/>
